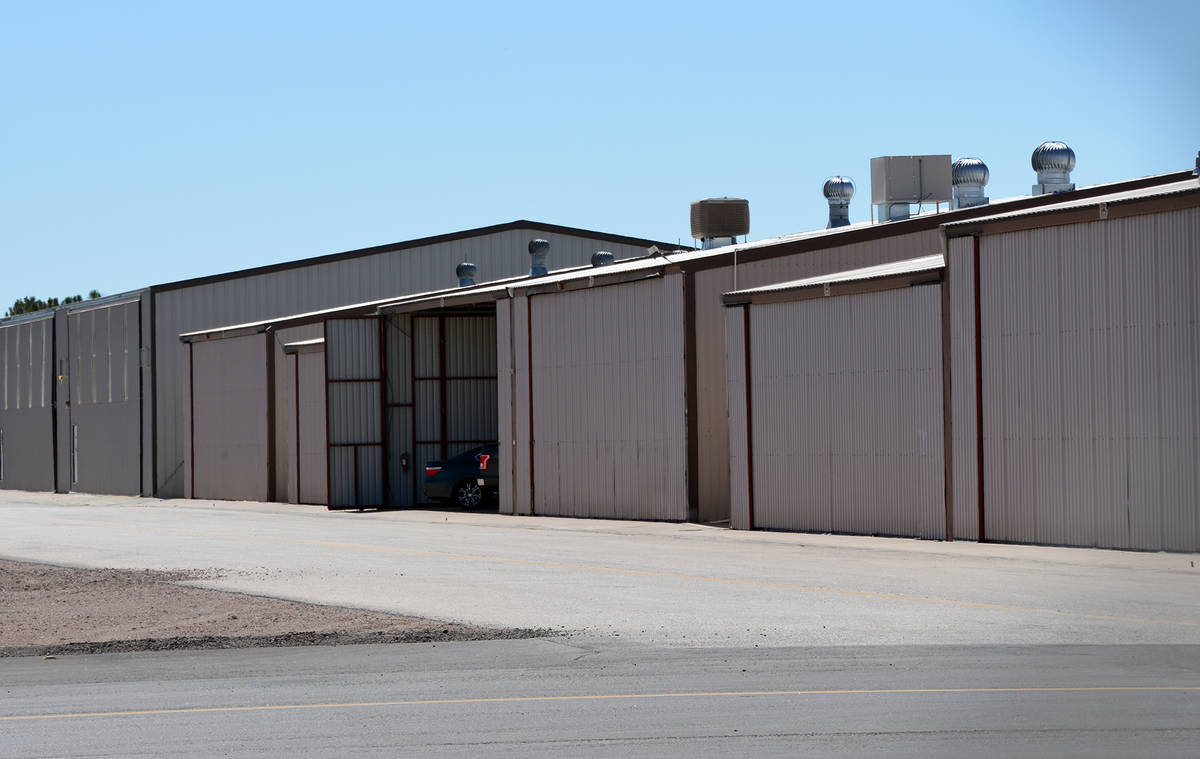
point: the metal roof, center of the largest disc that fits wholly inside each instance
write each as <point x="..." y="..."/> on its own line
<point x="419" y="242"/>
<point x="1174" y="188"/>
<point x="912" y="265"/>
<point x="668" y="255"/>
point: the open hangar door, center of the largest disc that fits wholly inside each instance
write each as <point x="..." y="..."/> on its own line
<point x="441" y="391"/>
<point x="431" y="397"/>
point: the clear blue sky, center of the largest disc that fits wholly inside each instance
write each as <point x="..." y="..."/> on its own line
<point x="149" y="142"/>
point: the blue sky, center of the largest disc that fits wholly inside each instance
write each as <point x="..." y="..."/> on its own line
<point x="149" y="142"/>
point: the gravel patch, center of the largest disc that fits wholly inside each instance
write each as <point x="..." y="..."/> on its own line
<point x="47" y="610"/>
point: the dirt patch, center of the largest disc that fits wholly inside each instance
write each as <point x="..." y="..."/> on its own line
<point x="48" y="610"/>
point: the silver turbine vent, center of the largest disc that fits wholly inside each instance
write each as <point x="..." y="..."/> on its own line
<point x="968" y="176"/>
<point x="602" y="258"/>
<point x="1053" y="161"/>
<point x="539" y="249"/>
<point x="466" y="273"/>
<point x="838" y="191"/>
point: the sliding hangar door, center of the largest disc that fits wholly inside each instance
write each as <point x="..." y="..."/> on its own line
<point x="71" y="399"/>
<point x="403" y="390"/>
<point x="835" y="407"/>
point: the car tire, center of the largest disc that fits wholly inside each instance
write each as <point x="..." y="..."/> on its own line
<point x="467" y="494"/>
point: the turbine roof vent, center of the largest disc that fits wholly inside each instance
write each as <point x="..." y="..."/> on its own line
<point x="838" y="188"/>
<point x="969" y="171"/>
<point x="1053" y="156"/>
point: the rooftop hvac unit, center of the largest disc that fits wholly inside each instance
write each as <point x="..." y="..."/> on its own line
<point x="720" y="220"/>
<point x="905" y="180"/>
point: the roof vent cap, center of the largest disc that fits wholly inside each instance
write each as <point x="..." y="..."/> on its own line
<point x="538" y="250"/>
<point x="602" y="258"/>
<point x="1053" y="161"/>
<point x="838" y="191"/>
<point x="968" y="176"/>
<point x="466" y="273"/>
<point x="969" y="171"/>
<point x="839" y="188"/>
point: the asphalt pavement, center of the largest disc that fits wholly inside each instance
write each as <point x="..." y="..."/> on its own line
<point x="672" y="640"/>
<point x="541" y="698"/>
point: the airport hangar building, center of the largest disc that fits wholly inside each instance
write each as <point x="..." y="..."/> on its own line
<point x="92" y="395"/>
<point x="1023" y="370"/>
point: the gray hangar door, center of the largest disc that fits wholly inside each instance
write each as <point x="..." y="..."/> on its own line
<point x="846" y="413"/>
<point x="27" y="405"/>
<point x="105" y="409"/>
<point x="354" y="382"/>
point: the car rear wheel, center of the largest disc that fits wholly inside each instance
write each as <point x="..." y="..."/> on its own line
<point x="467" y="494"/>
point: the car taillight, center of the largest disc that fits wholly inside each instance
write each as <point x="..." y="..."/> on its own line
<point x="431" y="470"/>
<point x="483" y="459"/>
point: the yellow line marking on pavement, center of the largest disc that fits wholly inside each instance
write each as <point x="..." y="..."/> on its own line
<point x="611" y="697"/>
<point x="635" y="572"/>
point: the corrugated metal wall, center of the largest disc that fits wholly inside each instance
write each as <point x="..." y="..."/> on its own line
<point x="512" y="336"/>
<point x="284" y="415"/>
<point x="325" y="285"/>
<point x="739" y="473"/>
<point x="403" y="486"/>
<point x="354" y="397"/>
<point x="847" y="414"/>
<point x="307" y="456"/>
<point x="1091" y="350"/>
<point x="609" y="435"/>
<point x="106" y="398"/>
<point x="713" y="426"/>
<point x="26" y="405"/>
<point x="230" y="427"/>
<point x="960" y="269"/>
<point x="505" y="380"/>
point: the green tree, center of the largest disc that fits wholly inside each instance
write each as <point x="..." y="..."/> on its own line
<point x="30" y="304"/>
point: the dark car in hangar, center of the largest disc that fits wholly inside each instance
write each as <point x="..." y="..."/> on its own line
<point x="469" y="480"/>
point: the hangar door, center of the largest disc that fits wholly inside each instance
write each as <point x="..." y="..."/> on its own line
<point x="103" y="432"/>
<point x="846" y="413"/>
<point x="441" y="392"/>
<point x="608" y="410"/>
<point x="26" y="405"/>
<point x="354" y="382"/>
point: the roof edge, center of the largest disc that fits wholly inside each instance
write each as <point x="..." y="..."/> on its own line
<point x="407" y="244"/>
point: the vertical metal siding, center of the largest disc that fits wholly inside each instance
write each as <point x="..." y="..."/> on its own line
<point x="403" y="485"/>
<point x="26" y="415"/>
<point x="504" y="396"/>
<point x="847" y="404"/>
<point x="326" y="285"/>
<point x="1091" y="374"/>
<point x="960" y="268"/>
<point x="609" y="417"/>
<point x="739" y="483"/>
<point x="714" y="460"/>
<point x="229" y="426"/>
<point x="355" y="414"/>
<point x="472" y="340"/>
<point x="105" y="412"/>
<point x="523" y="501"/>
